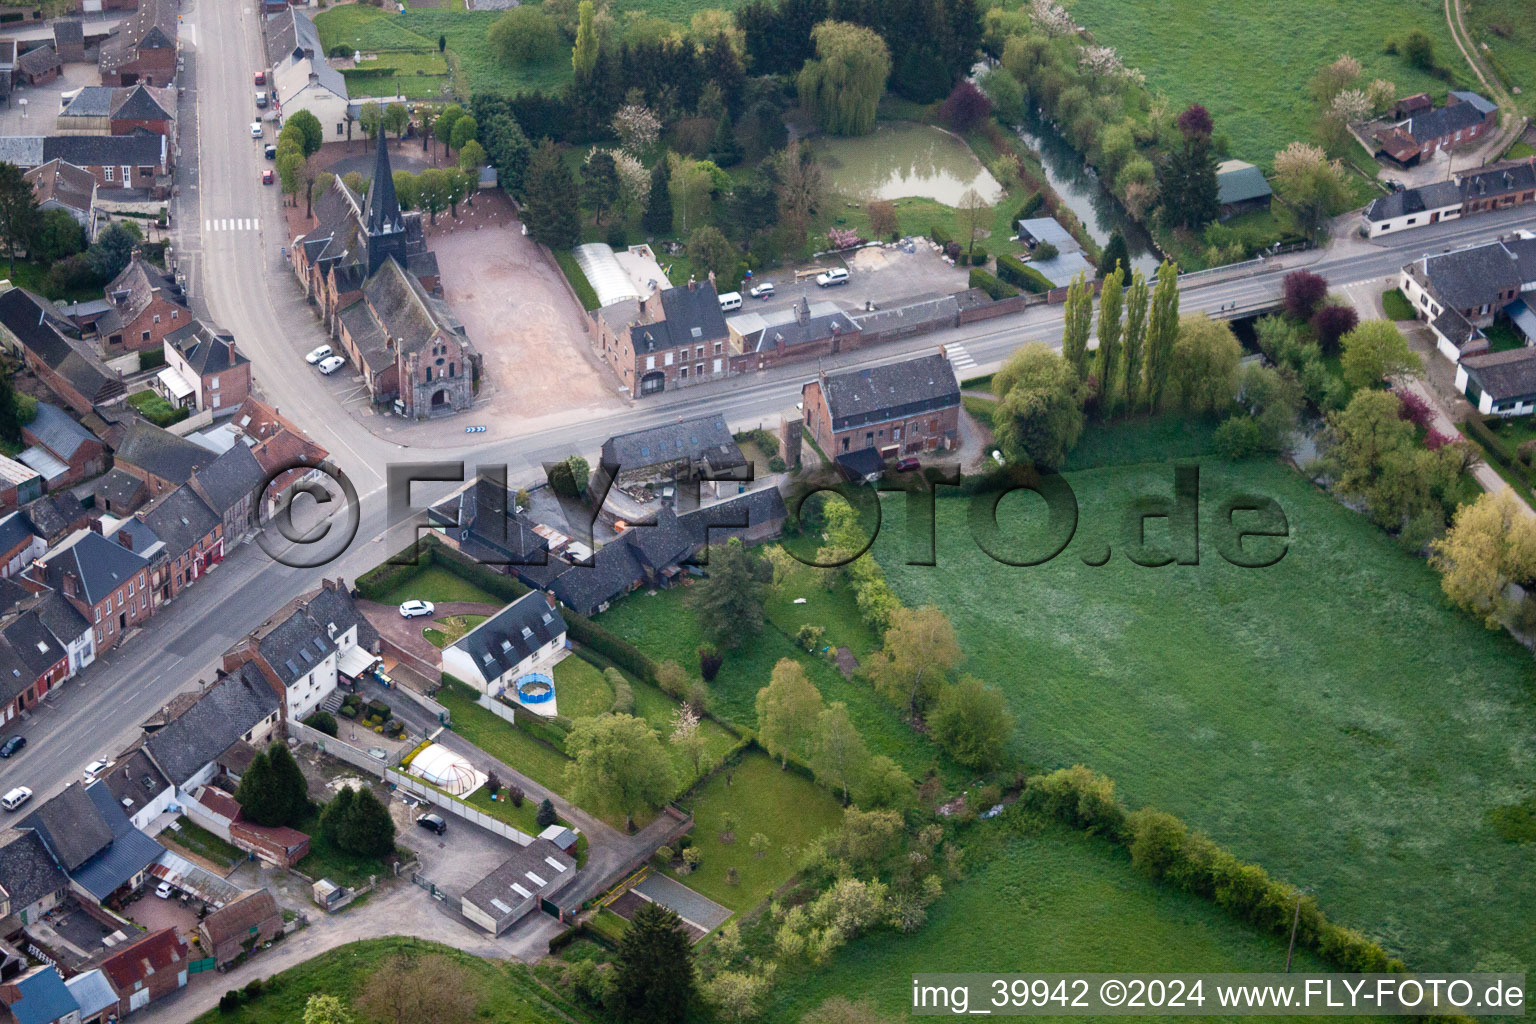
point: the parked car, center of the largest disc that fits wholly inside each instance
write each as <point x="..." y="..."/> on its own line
<point x="266" y="176"/>
<point x="761" y="291"/>
<point x="837" y="275"/>
<point x="416" y="609"/>
<point x="95" y="770"/>
<point x="261" y="101"/>
<point x="261" y="78"/>
<point x="331" y="364"/>
<point x="271" y="152"/>
<point x="433" y="823"/>
<point x="907" y="465"/>
<point x="16" y="797"/>
<point x="730" y="301"/>
<point x="255" y="129"/>
<point x="318" y="354"/>
<point x="12" y="746"/>
<point x="164" y="890"/>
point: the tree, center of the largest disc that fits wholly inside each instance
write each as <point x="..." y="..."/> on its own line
<point x="729" y="601"/>
<point x="800" y="186"/>
<point x="550" y="206"/>
<point x="619" y="765"/>
<point x="1376" y="351"/>
<point x="546" y="814"/>
<point x="371" y="118"/>
<point x="882" y="218"/>
<point x="112" y="250"/>
<point x="1134" y="336"/>
<point x="290" y="173"/>
<point x="581" y="473"/>
<point x="965" y="108"/>
<point x="637" y="127"/>
<point x="709" y="249"/>
<point x="272" y="791"/>
<point x="1040" y="414"/>
<point x="1301" y="293"/>
<point x="396" y="117"/>
<point x="692" y="186"/>
<point x="1078" y="316"/>
<point x="839" y="756"/>
<point x="1419" y="49"/>
<point x="442" y="127"/>
<point x="407" y="190"/>
<point x="977" y="211"/>
<point x="657" y="219"/>
<point x="1330" y="324"/>
<point x="842" y="87"/>
<point x="16" y="410"/>
<point x="367" y="830"/>
<point x="471" y="158"/>
<point x="411" y="990"/>
<point x="1273" y="400"/>
<point x="1187" y="180"/>
<point x="1115" y="254"/>
<point x="323" y="1009"/>
<point x="1334" y="78"/>
<point x="653" y="971"/>
<point x="1203" y="367"/>
<point x="442" y="42"/>
<point x="599" y="183"/>
<point x="920" y="649"/>
<point x="759" y="844"/>
<point x="334" y="814"/>
<point x="585" y="53"/>
<point x="465" y="129"/>
<point x="1111" y="298"/>
<point x="724" y="150"/>
<point x="971" y="721"/>
<point x="1491" y="544"/>
<point x="307" y="125"/>
<point x="687" y="737"/>
<point x="58" y="236"/>
<point x="524" y="35"/>
<point x="434" y="191"/>
<point x="788" y="709"/>
<point x="1311" y="185"/>
<point x="507" y="149"/>
<point x="1162" y="331"/>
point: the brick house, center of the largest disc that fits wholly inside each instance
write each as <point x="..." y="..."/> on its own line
<point x="60" y="185"/>
<point x="284" y="458"/>
<point x="240" y="926"/>
<point x="193" y="535"/>
<point x="151" y="968"/>
<point x="1493" y="188"/>
<point x="45" y="657"/>
<point x="896" y="409"/>
<point x="236" y="708"/>
<point x="142" y="48"/>
<point x="231" y="486"/>
<point x="208" y="370"/>
<point x="1460" y="292"/>
<point x="45" y="340"/>
<point x="1465" y="118"/>
<point x="677" y="337"/>
<point x="38" y="66"/>
<point x="105" y="582"/>
<point x="140" y="160"/>
<point x="147" y="306"/>
<point x="105" y="110"/>
<point x="160" y="458"/>
<point x="70" y="452"/>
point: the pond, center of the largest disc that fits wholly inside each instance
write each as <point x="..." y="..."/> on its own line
<point x="902" y="159"/>
<point x="1080" y="191"/>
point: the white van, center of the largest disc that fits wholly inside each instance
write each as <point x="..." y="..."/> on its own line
<point x="730" y="301"/>
<point x="15" y="798"/>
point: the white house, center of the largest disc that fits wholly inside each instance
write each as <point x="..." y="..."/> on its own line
<point x="306" y="646"/>
<point x="524" y="639"/>
<point x="301" y="77"/>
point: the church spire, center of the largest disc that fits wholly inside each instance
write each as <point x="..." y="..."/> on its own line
<point x="381" y="214"/>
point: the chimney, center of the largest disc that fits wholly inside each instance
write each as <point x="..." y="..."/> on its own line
<point x="712" y="279"/>
<point x="96" y="526"/>
<point x="693" y="285"/>
<point x="549" y="599"/>
<point x="803" y="311"/>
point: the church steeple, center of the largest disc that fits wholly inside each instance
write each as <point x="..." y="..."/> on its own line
<point x="381" y="213"/>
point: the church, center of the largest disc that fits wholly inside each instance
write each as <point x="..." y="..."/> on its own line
<point x="366" y="267"/>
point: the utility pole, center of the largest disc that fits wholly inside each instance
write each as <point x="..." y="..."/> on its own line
<point x="1295" y="922"/>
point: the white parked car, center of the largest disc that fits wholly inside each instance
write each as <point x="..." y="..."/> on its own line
<point x="16" y="797"/>
<point x="318" y="354"/>
<point x="164" y="890"/>
<point x="95" y="770"/>
<point x="761" y="291"/>
<point x="837" y="275"/>
<point x="416" y="609"/>
<point x="330" y="364"/>
<point x="255" y="129"/>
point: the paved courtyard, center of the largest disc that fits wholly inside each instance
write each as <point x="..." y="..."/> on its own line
<point x="37" y="116"/>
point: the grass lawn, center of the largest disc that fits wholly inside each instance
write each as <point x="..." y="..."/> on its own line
<point x="451" y="628"/>
<point x="833" y="609"/>
<point x="205" y="844"/>
<point x="34" y="276"/>
<point x="1250" y="64"/>
<point x="1330" y="717"/>
<point x="513" y="747"/>
<point x="1055" y="901"/>
<point x="1519" y="151"/>
<point x="438" y="585"/>
<point x="1161" y="438"/>
<point x="156" y="409"/>
<point x="981" y="409"/>
<point x="580" y="689"/>
<point x="1397" y="305"/>
<point x="1509" y="32"/>
<point x="1502" y="336"/>
<point x="326" y="861"/>
<point x="507" y="989"/>
<point x="785" y="806"/>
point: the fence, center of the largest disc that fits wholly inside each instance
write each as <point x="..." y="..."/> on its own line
<point x="339" y="749"/>
<point x="424" y="702"/>
<point x="497" y="708"/>
<point x="400" y="654"/>
<point x="456" y="807"/>
<point x="905" y="321"/>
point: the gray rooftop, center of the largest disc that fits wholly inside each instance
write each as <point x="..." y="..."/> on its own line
<point x="57" y="431"/>
<point x="28" y="871"/>
<point x="688" y="439"/>
<point x="72" y="827"/>
<point x="512" y="634"/>
<point x="230" y="708"/>
<point x="100" y="565"/>
<point x="890" y="391"/>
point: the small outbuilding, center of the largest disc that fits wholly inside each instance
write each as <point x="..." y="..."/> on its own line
<point x="1241" y="188"/>
<point x="514" y="889"/>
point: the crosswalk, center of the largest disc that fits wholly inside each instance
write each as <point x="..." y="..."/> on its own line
<point x="959" y="358"/>
<point x="232" y="224"/>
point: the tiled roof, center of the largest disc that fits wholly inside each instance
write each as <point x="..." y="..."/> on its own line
<point x="54" y="514"/>
<point x="100" y="565"/>
<point x="28" y="871"/>
<point x="519" y="630"/>
<point x="231" y="707"/>
<point x="1504" y="375"/>
<point x="690" y="316"/>
<point x="1443" y="121"/>
<point x="259" y="420"/>
<point x="669" y="442"/>
<point x="39" y="59"/>
<point x="57" y="431"/>
<point x="1473" y="277"/>
<point x="61" y="618"/>
<point x="890" y="391"/>
<point x="295" y="641"/>
<point x="34" y="643"/>
<point x="287" y="450"/>
<point x="152" y="26"/>
<point x="72" y="827"/>
<point x="158" y="951"/>
<point x="241" y="917"/>
<point x="613" y="572"/>
<point x="62" y="182"/>
<point x="162" y="453"/>
<point x="135" y="289"/>
<point x="120" y="493"/>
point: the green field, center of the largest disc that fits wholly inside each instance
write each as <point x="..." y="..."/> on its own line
<point x="1508" y="29"/>
<point x="1053" y="901"/>
<point x="508" y="744"/>
<point x="1330" y="718"/>
<point x="785" y="806"/>
<point x="1249" y="64"/>
<point x="507" y="989"/>
<point x="400" y="72"/>
<point x="436" y="584"/>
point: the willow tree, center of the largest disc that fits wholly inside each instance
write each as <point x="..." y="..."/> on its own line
<point x="842" y="86"/>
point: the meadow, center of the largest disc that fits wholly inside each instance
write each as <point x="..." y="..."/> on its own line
<point x="1329" y="717"/>
<point x="1250" y="64"/>
<point x="1508" y="29"/>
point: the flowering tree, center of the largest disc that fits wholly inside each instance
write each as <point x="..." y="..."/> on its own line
<point x="1052" y="17"/>
<point x="843" y="238"/>
<point x="1381" y="94"/>
<point x="1350" y="105"/>
<point x="637" y="127"/>
<point x="1100" y="60"/>
<point x="634" y="179"/>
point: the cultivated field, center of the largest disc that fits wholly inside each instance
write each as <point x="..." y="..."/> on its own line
<point x="1330" y="718"/>
<point x="1249" y="63"/>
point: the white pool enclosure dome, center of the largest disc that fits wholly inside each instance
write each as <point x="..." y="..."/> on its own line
<point x="445" y="769"/>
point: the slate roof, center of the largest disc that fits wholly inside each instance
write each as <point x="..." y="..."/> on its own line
<point x="1500" y="179"/>
<point x="669" y="442"/>
<point x="181" y="519"/>
<point x="512" y="634"/>
<point x="1238" y="181"/>
<point x="1504" y="375"/>
<point x="661" y="543"/>
<point x="208" y="349"/>
<point x="143" y="103"/>
<point x="134" y="782"/>
<point x="39" y="327"/>
<point x="152" y="26"/>
<point x="1478" y="103"/>
<point x="1469" y="278"/>
<point x="27" y="870"/>
<point x="92" y="991"/>
<point x="403" y="309"/>
<point x="39" y="59"/>
<point x="54" y="514"/>
<point x="22" y="150"/>
<point x="34" y="644"/>
<point x="1438" y="195"/>
<point x="101" y="565"/>
<point x="1443" y="121"/>
<point x="485" y="527"/>
<point x="294" y="644"/>
<point x="613" y="572"/>
<point x="57" y="431"/>
<point x="130" y="853"/>
<point x="44" y="997"/>
<point x="156" y="952"/>
<point x="90" y="101"/>
<point x="238" y="918"/>
<point x="135" y="289"/>
<point x="1454" y="327"/>
<point x="72" y="827"/>
<point x="15" y="532"/>
<point x="61" y="618"/>
<point x="515" y="870"/>
<point x="62" y="182"/>
<point x="288" y="32"/>
<point x="119" y="492"/>
<point x="690" y="316"/>
<point x="141" y="149"/>
<point x="231" y="707"/>
<point x="162" y="453"/>
<point x="890" y="391"/>
<point x="15" y="677"/>
<point x="69" y="30"/>
<point x="229" y="479"/>
<point x="803" y="324"/>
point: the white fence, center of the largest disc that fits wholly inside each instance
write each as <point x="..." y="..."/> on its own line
<point x="497" y="708"/>
<point x="422" y="701"/>
<point x="456" y="807"/>
<point x="338" y="749"/>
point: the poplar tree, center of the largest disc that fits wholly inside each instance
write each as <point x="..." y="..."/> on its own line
<point x="1111" y="299"/>
<point x="1133" y="337"/>
<point x="1162" y="331"/>
<point x="1079" y="316"/>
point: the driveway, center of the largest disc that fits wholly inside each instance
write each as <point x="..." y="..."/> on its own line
<point x="882" y="276"/>
<point x="406" y="633"/>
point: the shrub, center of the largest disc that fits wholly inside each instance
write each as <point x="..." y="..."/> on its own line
<point x="709" y="662"/>
<point x="230" y="1001"/>
<point x="516" y="795"/>
<point x="994" y="288"/>
<point x="1045" y="251"/>
<point x="1414" y="409"/>
<point x="546" y="814"/>
<point x="1078" y="796"/>
<point x="1238" y="438"/>
<point x="623" y="693"/>
<point x="1527" y="451"/>
<point x="618" y="239"/>
<point x="978" y="257"/>
<point x="493" y="783"/>
<point x="952" y="250"/>
<point x="322" y="721"/>
<point x="662" y="856"/>
<point x="1331" y="323"/>
<point x="1020" y="274"/>
<point x="777" y="465"/>
<point x="600" y="641"/>
<point x="1029" y="207"/>
<point x="939" y="235"/>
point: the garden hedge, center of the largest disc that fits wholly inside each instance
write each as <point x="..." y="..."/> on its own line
<point x="1498" y="450"/>
<point x="991" y="285"/>
<point x="1016" y="272"/>
<point x="1030" y="206"/>
<point x="939" y="235"/>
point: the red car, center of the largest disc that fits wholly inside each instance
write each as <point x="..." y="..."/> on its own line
<point x="261" y="78"/>
<point x="907" y="465"/>
<point x="266" y="176"/>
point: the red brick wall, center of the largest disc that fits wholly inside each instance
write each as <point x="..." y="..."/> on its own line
<point x="234" y="388"/>
<point x="131" y="338"/>
<point x="135" y="610"/>
<point x="923" y="432"/>
<point x="129" y="127"/>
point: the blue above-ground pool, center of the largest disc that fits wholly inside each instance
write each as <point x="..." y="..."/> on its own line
<point x="535" y="688"/>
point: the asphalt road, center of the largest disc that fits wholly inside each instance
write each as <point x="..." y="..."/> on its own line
<point x="238" y="279"/>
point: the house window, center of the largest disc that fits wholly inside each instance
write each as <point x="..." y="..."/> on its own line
<point x="215" y="383"/>
<point x="130" y="588"/>
<point x="717" y="348"/>
<point x="698" y="370"/>
<point x="650" y="362"/>
<point x="98" y="617"/>
<point x="109" y="172"/>
<point x="119" y="598"/>
<point x="157" y="318"/>
<point x="341" y="127"/>
<point x="666" y="361"/>
<point x="175" y="313"/>
<point x="683" y="373"/>
<point x="450" y="370"/>
<point x="144" y="336"/>
<point x="698" y="353"/>
<point x="717" y="366"/>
